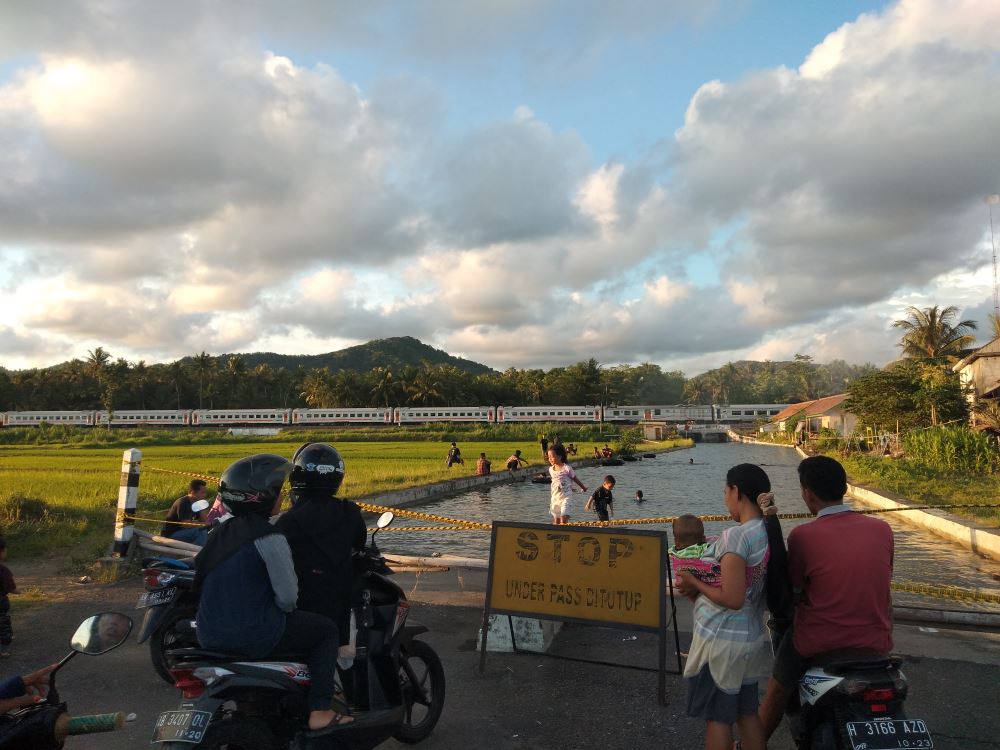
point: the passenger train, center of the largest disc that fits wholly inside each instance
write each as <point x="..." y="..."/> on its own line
<point x="678" y="414"/>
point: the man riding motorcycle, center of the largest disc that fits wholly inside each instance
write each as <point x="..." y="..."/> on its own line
<point x="323" y="531"/>
<point x="840" y="566"/>
<point x="248" y="585"/>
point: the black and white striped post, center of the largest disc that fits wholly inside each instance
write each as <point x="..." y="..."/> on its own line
<point x="128" y="495"/>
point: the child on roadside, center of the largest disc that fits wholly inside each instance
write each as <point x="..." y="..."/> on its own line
<point x="561" y="477"/>
<point x="7" y="586"/>
<point x="602" y="501"/>
<point x="693" y="552"/>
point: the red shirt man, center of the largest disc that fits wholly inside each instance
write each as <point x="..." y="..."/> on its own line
<point x="840" y="566"/>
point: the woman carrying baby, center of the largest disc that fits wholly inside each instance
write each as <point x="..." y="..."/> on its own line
<point x="729" y="650"/>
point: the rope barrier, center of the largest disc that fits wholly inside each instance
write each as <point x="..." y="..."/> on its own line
<point x="448" y="523"/>
<point x="948" y="592"/>
<point x="205" y="477"/>
<point x="460" y="524"/>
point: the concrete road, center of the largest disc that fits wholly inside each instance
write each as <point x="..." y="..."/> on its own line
<point x="522" y="701"/>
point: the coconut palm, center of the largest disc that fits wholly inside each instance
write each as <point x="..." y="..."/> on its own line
<point x="994" y="326"/>
<point x="204" y="366"/>
<point x="930" y="333"/>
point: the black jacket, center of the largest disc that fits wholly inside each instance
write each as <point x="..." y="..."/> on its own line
<point x="323" y="533"/>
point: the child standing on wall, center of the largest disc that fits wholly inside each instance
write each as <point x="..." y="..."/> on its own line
<point x="561" y="477"/>
<point x="7" y="586"/>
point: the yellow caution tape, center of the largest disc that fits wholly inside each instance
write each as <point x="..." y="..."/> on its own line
<point x="206" y="477"/>
<point x="948" y="592"/>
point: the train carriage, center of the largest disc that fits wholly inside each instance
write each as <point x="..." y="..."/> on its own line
<point x="748" y="412"/>
<point x="223" y="417"/>
<point x="660" y="413"/>
<point x="549" y="414"/>
<point x="412" y="414"/>
<point x="35" y="418"/>
<point x="345" y="415"/>
<point x="145" y="418"/>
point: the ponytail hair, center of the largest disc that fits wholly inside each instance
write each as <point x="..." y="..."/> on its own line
<point x="749" y="479"/>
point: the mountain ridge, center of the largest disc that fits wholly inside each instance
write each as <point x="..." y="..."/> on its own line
<point x="393" y="352"/>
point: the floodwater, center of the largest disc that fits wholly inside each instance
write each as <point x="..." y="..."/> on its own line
<point x="672" y="486"/>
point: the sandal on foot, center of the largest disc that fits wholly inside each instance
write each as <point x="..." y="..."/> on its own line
<point x="338" y="719"/>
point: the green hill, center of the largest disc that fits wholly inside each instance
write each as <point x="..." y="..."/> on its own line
<point x="394" y="353"/>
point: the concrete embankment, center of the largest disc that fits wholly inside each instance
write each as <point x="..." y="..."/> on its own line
<point x="980" y="539"/>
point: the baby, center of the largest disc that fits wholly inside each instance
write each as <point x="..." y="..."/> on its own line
<point x="693" y="552"/>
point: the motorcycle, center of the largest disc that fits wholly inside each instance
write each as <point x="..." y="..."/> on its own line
<point x="47" y="724"/>
<point x="171" y="605"/>
<point x="854" y="701"/>
<point x="395" y="686"/>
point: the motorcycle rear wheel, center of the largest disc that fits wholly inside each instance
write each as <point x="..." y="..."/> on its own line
<point x="427" y="671"/>
<point x="165" y="638"/>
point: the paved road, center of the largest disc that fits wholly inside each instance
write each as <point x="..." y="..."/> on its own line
<point x="522" y="701"/>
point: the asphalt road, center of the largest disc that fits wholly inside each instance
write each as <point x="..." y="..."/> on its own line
<point x="522" y="701"/>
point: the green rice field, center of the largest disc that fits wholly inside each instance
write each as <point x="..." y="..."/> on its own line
<point x="65" y="496"/>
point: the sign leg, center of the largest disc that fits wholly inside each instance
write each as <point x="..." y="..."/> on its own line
<point x="486" y="632"/>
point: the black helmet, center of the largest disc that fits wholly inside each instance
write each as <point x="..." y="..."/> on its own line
<point x="253" y="484"/>
<point x="318" y="468"/>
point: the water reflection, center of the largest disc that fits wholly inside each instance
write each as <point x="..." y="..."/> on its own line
<point x="671" y="486"/>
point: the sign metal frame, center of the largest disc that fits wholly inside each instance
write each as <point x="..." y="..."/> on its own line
<point x="665" y="585"/>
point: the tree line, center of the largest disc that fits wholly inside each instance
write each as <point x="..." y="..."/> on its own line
<point x="103" y="382"/>
<point x="920" y="389"/>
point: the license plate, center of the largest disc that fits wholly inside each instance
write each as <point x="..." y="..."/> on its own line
<point x="181" y="726"/>
<point x="155" y="598"/>
<point x="889" y="734"/>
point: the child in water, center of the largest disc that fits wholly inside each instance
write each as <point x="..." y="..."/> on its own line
<point x="602" y="501"/>
<point x="638" y="496"/>
<point x="693" y="552"/>
<point x="562" y="477"/>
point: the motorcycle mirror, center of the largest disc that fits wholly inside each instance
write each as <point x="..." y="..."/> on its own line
<point x="385" y="519"/>
<point x="101" y="633"/>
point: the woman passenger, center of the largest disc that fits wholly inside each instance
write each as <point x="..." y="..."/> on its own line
<point x="729" y="649"/>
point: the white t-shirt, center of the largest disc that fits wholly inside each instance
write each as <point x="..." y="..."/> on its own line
<point x="561" y="488"/>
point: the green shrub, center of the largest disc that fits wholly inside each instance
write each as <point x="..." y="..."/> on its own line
<point x="952" y="450"/>
<point x="628" y="442"/>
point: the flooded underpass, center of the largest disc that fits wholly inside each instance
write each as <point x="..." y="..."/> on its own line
<point x="671" y="486"/>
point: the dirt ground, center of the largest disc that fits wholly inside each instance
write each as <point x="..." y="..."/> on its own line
<point x="521" y="701"/>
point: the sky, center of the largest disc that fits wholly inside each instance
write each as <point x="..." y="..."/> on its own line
<point x="522" y="183"/>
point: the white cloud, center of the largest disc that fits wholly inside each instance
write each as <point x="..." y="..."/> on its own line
<point x="164" y="169"/>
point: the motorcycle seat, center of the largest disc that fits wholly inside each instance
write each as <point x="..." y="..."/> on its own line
<point x="854" y="660"/>
<point x="201" y="654"/>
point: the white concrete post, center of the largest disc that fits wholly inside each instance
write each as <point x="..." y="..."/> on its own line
<point x="128" y="494"/>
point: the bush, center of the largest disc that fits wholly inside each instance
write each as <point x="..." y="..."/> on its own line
<point x="952" y="450"/>
<point x="628" y="442"/>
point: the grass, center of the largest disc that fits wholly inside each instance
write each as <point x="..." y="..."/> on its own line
<point x="64" y="496"/>
<point x="929" y="486"/>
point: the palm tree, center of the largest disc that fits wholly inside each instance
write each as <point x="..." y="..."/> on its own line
<point x="204" y="366"/>
<point x="140" y="376"/>
<point x="994" y="326"/>
<point x="236" y="368"/>
<point x="383" y="386"/>
<point x="316" y="388"/>
<point x="176" y="373"/>
<point x="930" y="333"/>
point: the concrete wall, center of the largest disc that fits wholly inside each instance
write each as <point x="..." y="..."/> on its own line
<point x="980" y="539"/>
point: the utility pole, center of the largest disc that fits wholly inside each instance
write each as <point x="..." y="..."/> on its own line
<point x="992" y="200"/>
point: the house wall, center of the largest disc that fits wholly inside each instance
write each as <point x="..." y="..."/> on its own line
<point x="979" y="374"/>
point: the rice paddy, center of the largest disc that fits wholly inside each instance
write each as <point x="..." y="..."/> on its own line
<point x="52" y="495"/>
